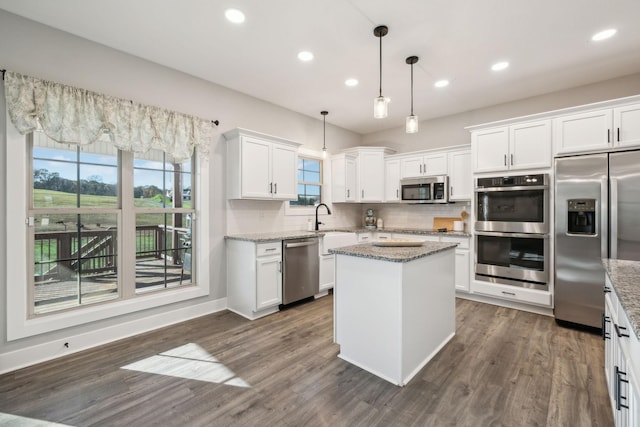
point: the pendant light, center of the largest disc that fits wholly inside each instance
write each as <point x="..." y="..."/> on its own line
<point x="412" y="119"/>
<point x="380" y="104"/>
<point x="324" y="133"/>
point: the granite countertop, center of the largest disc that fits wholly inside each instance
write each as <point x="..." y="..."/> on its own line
<point x="625" y="278"/>
<point x="393" y="253"/>
<point x="300" y="234"/>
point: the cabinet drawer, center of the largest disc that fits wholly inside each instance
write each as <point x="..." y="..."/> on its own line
<point x="513" y="293"/>
<point x="463" y="242"/>
<point x="365" y="237"/>
<point x="271" y="248"/>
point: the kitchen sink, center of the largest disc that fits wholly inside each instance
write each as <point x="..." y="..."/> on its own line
<point x="336" y="239"/>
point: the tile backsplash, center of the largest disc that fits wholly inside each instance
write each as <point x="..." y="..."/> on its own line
<point x="415" y="216"/>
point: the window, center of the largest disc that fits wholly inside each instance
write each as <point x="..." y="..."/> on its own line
<point x="95" y="219"/>
<point x="309" y="182"/>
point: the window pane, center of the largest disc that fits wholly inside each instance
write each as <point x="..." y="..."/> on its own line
<point x="312" y="165"/>
<point x="75" y="260"/>
<point x="311" y="176"/>
<point x="163" y="250"/>
<point x="66" y="175"/>
<point x="309" y="173"/>
<point x="157" y="181"/>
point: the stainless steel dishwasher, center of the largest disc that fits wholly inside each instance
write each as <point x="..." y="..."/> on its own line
<point x="301" y="269"/>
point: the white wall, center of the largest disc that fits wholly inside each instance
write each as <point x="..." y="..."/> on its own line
<point x="449" y="130"/>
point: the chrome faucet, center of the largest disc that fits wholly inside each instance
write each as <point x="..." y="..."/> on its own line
<point x="328" y="211"/>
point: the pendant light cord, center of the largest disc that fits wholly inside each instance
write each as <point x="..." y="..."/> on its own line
<point x="412" y="89"/>
<point x="380" y="37"/>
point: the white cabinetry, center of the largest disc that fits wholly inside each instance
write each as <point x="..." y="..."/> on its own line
<point x="371" y="175"/>
<point x="423" y="165"/>
<point x="260" y="166"/>
<point x="343" y="178"/>
<point x="392" y="180"/>
<point x="519" y="146"/>
<point x="622" y="361"/>
<point x="460" y="180"/>
<point x="254" y="277"/>
<point x="462" y="258"/>
<point x="598" y="130"/>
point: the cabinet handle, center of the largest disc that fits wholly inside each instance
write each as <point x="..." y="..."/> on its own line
<point x="451" y="191"/>
<point x="348" y="193"/>
<point x="608" y="136"/>
<point x="270" y="249"/>
<point x="279" y="266"/>
<point x="607" y="289"/>
<point x="271" y="188"/>
<point x="619" y="329"/>
<point x="420" y="168"/>
<point x="397" y="193"/>
<point x="618" y="391"/>
<point x="424" y="167"/>
<point x="275" y="186"/>
<point x="509" y="293"/>
<point x="505" y="160"/>
<point x="363" y="194"/>
<point x="511" y="159"/>
<point x="605" y="334"/>
<point x="618" y="134"/>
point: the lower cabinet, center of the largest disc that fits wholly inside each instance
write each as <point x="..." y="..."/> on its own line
<point x="254" y="277"/>
<point x="622" y="362"/>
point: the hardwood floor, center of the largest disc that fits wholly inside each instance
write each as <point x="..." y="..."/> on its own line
<point x="503" y="368"/>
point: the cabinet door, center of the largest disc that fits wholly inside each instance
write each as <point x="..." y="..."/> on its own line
<point x="609" y="349"/>
<point x="462" y="270"/>
<point x="284" y="164"/>
<point x="326" y="272"/>
<point x="268" y="282"/>
<point x="411" y="167"/>
<point x="434" y="164"/>
<point x="583" y="132"/>
<point x="460" y="181"/>
<point x="490" y="148"/>
<point x="391" y="180"/>
<point x="256" y="174"/>
<point x="350" y="180"/>
<point x="530" y="145"/>
<point x="626" y="125"/>
<point x="371" y="175"/>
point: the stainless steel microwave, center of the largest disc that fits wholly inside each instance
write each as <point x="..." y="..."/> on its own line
<point x="428" y="189"/>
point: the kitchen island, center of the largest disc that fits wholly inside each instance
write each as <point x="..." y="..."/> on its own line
<point x="394" y="307"/>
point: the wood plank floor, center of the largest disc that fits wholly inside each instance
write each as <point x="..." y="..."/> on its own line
<point x="503" y="368"/>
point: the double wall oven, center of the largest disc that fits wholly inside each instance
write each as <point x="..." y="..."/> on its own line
<point x="512" y="230"/>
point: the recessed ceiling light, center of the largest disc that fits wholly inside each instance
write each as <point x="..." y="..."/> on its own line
<point x="234" y="15"/>
<point x="499" y="66"/>
<point x="441" y="83"/>
<point x="602" y="35"/>
<point x="351" y="82"/>
<point x="305" y="56"/>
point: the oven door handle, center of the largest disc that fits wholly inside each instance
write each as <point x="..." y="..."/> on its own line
<point x="519" y="188"/>
<point x="521" y="235"/>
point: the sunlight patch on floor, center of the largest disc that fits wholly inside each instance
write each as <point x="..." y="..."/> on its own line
<point x="8" y="420"/>
<point x="189" y="361"/>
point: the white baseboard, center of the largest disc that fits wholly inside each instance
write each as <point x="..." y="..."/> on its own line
<point x="54" y="349"/>
<point x="505" y="303"/>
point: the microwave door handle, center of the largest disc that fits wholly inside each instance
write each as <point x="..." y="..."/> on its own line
<point x="614" y="218"/>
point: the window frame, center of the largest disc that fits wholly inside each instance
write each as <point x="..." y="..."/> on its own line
<point x="19" y="323"/>
<point x="325" y="193"/>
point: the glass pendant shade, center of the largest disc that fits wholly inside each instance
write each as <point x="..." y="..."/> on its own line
<point x="380" y="107"/>
<point x="324" y="152"/>
<point x="412" y="124"/>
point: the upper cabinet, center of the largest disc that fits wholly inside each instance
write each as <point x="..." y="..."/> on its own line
<point x="423" y="165"/>
<point x="260" y="166"/>
<point x="460" y="179"/>
<point x="343" y="178"/>
<point x="519" y="146"/>
<point x="371" y="175"/>
<point x="392" y="180"/>
<point x="598" y="130"/>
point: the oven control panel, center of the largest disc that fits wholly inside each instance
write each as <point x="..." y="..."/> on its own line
<point x="513" y="181"/>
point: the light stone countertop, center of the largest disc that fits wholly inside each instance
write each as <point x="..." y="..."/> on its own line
<point x="393" y="253"/>
<point x="300" y="234"/>
<point x="625" y="278"/>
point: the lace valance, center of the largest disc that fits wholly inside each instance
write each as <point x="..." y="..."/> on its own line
<point x="77" y="116"/>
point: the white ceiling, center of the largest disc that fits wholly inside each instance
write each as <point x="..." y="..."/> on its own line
<point x="547" y="42"/>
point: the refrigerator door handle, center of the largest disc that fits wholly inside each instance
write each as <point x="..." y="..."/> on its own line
<point x="613" y="182"/>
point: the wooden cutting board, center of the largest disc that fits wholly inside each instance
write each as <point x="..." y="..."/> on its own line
<point x="444" y="222"/>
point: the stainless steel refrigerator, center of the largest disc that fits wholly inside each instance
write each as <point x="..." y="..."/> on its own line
<point x="597" y="212"/>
